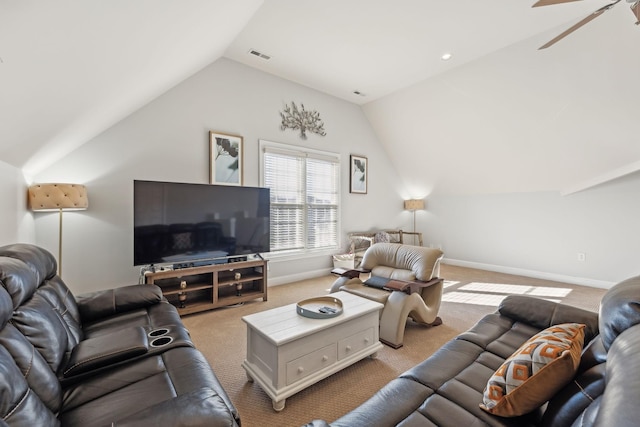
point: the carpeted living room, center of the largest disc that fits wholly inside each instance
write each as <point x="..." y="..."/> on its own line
<point x="463" y="305"/>
<point x="181" y="179"/>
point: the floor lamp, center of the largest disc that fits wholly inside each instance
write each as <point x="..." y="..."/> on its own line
<point x="414" y="205"/>
<point x="58" y="197"/>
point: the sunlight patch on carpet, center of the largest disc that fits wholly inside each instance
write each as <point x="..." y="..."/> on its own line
<point x="550" y="292"/>
<point x="473" y="298"/>
<point x="496" y="288"/>
<point x="492" y="294"/>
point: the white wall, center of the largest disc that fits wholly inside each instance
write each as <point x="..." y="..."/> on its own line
<point x="168" y="140"/>
<point x="540" y="234"/>
<point x="495" y="142"/>
<point x="16" y="224"/>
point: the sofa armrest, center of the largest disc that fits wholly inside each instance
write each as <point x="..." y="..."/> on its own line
<point x="619" y="405"/>
<point x="409" y="287"/>
<point x="105" y="350"/>
<point x="202" y="407"/>
<point x="100" y="304"/>
<point x="542" y="313"/>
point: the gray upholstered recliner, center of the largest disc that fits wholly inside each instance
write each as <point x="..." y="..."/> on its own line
<point x="393" y="264"/>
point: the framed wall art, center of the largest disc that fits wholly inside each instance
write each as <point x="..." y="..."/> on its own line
<point x="358" y="177"/>
<point x="225" y="159"/>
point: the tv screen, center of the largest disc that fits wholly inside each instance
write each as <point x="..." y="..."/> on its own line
<point x="184" y="223"/>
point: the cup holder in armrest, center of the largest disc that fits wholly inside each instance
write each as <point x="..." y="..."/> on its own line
<point x="161" y="341"/>
<point x="158" y="332"/>
<point x="163" y="337"/>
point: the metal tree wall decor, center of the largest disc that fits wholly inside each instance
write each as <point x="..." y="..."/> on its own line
<point x="299" y="118"/>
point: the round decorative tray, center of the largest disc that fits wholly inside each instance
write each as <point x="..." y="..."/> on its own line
<point x="319" y="307"/>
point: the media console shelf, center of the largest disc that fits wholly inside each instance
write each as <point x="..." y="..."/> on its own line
<point x="196" y="289"/>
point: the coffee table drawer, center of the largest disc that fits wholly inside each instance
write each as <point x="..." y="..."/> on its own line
<point x="310" y="363"/>
<point x="355" y="343"/>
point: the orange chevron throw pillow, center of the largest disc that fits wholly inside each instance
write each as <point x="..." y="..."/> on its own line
<point x="535" y="372"/>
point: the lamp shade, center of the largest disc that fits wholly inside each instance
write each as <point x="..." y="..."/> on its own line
<point x="414" y="204"/>
<point x="54" y="197"/>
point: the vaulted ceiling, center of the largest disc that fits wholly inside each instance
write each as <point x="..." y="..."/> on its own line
<point x="498" y="116"/>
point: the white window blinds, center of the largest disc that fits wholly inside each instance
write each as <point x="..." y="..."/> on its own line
<point x="305" y="188"/>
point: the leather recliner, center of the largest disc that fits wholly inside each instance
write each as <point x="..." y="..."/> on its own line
<point x="414" y="265"/>
<point x="118" y="357"/>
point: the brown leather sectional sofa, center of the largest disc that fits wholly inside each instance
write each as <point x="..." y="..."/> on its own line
<point x="447" y="388"/>
<point x="120" y="357"/>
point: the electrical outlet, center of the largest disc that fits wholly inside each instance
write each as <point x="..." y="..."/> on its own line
<point x="582" y="257"/>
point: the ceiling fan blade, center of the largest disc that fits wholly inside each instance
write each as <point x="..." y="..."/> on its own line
<point x="635" y="8"/>
<point x="574" y="27"/>
<point x="551" y="2"/>
<point x="570" y="30"/>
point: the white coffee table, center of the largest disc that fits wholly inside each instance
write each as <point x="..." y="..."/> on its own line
<point x="287" y="352"/>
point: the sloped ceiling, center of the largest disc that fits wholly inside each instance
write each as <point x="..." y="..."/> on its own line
<point x="500" y="116"/>
<point x="520" y="120"/>
<point x="72" y="68"/>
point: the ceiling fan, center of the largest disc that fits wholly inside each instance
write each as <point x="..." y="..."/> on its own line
<point x="635" y="9"/>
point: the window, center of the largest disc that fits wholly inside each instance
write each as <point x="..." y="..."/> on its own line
<point x="305" y="194"/>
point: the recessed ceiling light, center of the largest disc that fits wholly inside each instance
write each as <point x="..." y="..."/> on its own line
<point x="445" y="57"/>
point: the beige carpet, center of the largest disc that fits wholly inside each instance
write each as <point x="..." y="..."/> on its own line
<point x="469" y="294"/>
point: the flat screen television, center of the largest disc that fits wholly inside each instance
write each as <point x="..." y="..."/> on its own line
<point x="185" y="224"/>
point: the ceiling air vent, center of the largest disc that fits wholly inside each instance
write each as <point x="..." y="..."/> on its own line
<point x="259" y="54"/>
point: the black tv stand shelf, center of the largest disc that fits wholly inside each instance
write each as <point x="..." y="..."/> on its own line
<point x="195" y="289"/>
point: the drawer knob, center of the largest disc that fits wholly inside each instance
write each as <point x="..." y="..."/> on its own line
<point x="366" y="340"/>
<point x="348" y="348"/>
<point x="300" y="370"/>
<point x="325" y="358"/>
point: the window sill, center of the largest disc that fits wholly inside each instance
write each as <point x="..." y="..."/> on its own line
<point x="303" y="254"/>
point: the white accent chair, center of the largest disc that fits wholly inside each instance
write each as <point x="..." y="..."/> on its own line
<point x="405" y="279"/>
<point x="360" y="241"/>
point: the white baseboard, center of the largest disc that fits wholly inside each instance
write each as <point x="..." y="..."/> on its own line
<point x="531" y="273"/>
<point x="282" y="280"/>
<point x="581" y="281"/>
